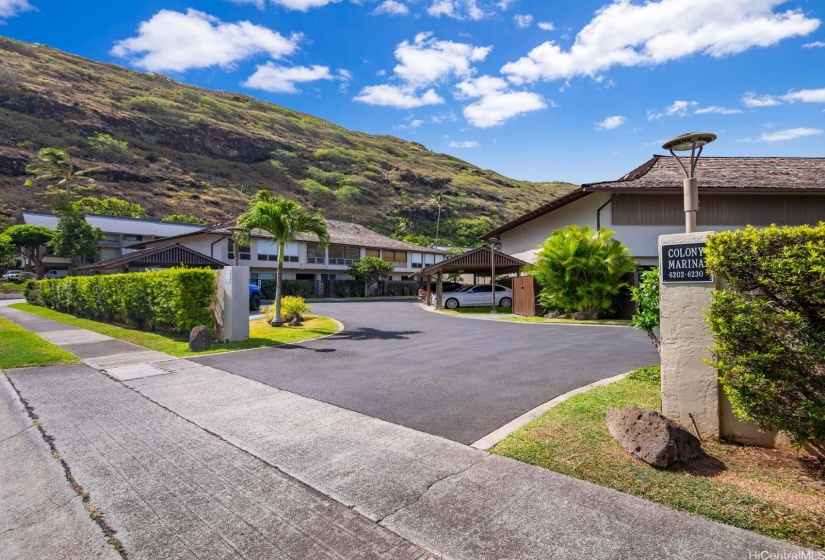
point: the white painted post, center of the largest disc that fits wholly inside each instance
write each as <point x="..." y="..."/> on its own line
<point x="233" y="292"/>
<point x="689" y="383"/>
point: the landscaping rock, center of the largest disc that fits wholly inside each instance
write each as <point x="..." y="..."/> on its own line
<point x="651" y="437"/>
<point x="294" y="320"/>
<point x="200" y="339"/>
<point x="585" y="315"/>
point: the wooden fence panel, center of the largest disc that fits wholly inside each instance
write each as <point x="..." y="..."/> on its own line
<point x="524" y="296"/>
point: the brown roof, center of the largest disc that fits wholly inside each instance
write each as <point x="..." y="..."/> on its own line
<point x="736" y="174"/>
<point x="476" y="260"/>
<point x="340" y="233"/>
<point x="167" y="255"/>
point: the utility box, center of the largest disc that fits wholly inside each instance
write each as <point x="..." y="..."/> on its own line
<point x="233" y="303"/>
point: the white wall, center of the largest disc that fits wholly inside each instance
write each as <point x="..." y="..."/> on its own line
<point x="643" y="241"/>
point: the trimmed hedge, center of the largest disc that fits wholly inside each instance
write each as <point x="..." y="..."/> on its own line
<point x="769" y="326"/>
<point x="402" y="288"/>
<point x="177" y="299"/>
<point x="300" y="288"/>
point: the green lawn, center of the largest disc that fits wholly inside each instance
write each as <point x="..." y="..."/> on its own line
<point x="568" y="321"/>
<point x="758" y="489"/>
<point x="260" y="333"/>
<point x="21" y="348"/>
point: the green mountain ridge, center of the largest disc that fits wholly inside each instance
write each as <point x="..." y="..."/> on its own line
<point x="175" y="148"/>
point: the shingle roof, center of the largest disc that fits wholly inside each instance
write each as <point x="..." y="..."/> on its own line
<point x="734" y="173"/>
<point x="794" y="174"/>
<point x="340" y="233"/>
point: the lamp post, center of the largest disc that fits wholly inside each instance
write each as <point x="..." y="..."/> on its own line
<point x="690" y="142"/>
<point x="493" y="243"/>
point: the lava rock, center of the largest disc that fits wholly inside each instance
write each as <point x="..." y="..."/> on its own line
<point x="294" y="320"/>
<point x="588" y="315"/>
<point x="649" y="436"/>
<point x="200" y="339"/>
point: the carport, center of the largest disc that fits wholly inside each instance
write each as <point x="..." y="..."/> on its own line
<point x="478" y="262"/>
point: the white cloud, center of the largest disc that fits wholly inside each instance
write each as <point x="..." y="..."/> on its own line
<point x="392" y="8"/>
<point x="443" y="117"/>
<point x="611" y="122"/>
<point x="398" y="97"/>
<point x="814" y="45"/>
<point x="789" y="134"/>
<point x="546" y="25"/>
<point x="174" y="41"/>
<point x="806" y="96"/>
<point x="427" y="60"/>
<point x="504" y="5"/>
<point x="456" y="9"/>
<point x="753" y="101"/>
<point x="299" y="5"/>
<point x="523" y="21"/>
<point x="495" y="103"/>
<point x="422" y="63"/>
<point x="282" y="79"/>
<point x="717" y="110"/>
<point x="464" y="144"/>
<point x="634" y="34"/>
<point x="677" y="109"/>
<point x="10" y="8"/>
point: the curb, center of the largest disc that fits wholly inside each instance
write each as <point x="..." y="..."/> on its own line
<point x="496" y="436"/>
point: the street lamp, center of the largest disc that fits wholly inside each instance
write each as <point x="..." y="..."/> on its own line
<point x="493" y="244"/>
<point x="689" y="142"/>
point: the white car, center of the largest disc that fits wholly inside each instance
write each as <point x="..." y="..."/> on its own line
<point x="480" y="295"/>
<point x="12" y="275"/>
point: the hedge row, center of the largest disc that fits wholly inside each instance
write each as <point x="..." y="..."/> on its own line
<point x="178" y="299"/>
<point x="769" y="325"/>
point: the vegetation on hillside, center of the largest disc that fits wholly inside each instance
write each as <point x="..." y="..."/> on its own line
<point x="179" y="149"/>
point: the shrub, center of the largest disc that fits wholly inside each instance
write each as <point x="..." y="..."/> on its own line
<point x="110" y="149"/>
<point x="301" y="288"/>
<point x="769" y="326"/>
<point x="402" y="288"/>
<point x="581" y="270"/>
<point x="289" y="305"/>
<point x="650" y="374"/>
<point x="31" y="291"/>
<point x="646" y="295"/>
<point x="178" y="299"/>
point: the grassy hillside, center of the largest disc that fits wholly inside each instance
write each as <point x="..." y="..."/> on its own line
<point x="176" y="148"/>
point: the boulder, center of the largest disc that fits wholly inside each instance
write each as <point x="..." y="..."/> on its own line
<point x="200" y="339"/>
<point x="294" y="320"/>
<point x="651" y="437"/>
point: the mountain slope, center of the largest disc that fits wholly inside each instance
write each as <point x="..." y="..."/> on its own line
<point x="176" y="148"/>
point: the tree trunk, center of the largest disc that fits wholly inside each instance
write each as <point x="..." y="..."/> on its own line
<point x="656" y="342"/>
<point x="437" y="225"/>
<point x="276" y="320"/>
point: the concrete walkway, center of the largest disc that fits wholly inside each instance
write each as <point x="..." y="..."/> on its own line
<point x="455" y="501"/>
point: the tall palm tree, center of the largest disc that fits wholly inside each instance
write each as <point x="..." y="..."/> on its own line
<point x="437" y="198"/>
<point x="284" y="220"/>
<point x="52" y="165"/>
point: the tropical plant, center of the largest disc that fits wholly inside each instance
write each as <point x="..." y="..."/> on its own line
<point x="31" y="240"/>
<point x="284" y="220"/>
<point x="109" y="206"/>
<point x="646" y="296"/>
<point x="580" y="270"/>
<point x="75" y="238"/>
<point x="9" y="254"/>
<point x="370" y="270"/>
<point x="56" y="168"/>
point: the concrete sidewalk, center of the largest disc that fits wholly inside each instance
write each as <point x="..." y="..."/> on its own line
<point x="455" y="501"/>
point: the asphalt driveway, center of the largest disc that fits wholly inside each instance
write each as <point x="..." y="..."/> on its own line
<point x="449" y="376"/>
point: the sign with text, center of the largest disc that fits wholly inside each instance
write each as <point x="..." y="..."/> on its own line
<point x="684" y="262"/>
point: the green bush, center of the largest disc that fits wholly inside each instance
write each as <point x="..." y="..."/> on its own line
<point x="289" y="305"/>
<point x="646" y="296"/>
<point x="110" y="149"/>
<point x="301" y="288"/>
<point x="650" y="374"/>
<point x="580" y="270"/>
<point x="402" y="288"/>
<point x="177" y="299"/>
<point x="31" y="291"/>
<point x="769" y="326"/>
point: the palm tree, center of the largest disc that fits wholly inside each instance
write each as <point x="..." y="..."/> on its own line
<point x="52" y="164"/>
<point x="437" y="198"/>
<point x="284" y="220"/>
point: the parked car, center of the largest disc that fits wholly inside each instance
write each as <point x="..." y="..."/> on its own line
<point x="479" y="295"/>
<point x="255" y="297"/>
<point x="445" y="287"/>
<point x="56" y="274"/>
<point x="12" y="275"/>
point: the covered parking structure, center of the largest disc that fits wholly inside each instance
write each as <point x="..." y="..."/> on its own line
<point x="168" y="256"/>
<point x="478" y="262"/>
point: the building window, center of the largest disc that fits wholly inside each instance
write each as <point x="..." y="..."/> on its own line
<point x="301" y="276"/>
<point x="439" y="258"/>
<point x="258" y="277"/>
<point x="268" y="251"/>
<point x="133" y="238"/>
<point x="417" y="260"/>
<point x="395" y="256"/>
<point x="244" y="253"/>
<point x="331" y="277"/>
<point x="429" y="259"/>
<point x="314" y="256"/>
<point x="341" y="254"/>
<point x="374" y="253"/>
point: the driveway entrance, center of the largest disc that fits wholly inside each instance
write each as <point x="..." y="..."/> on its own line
<point x="449" y="376"/>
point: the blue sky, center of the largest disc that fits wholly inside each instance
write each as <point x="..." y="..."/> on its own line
<point x="578" y="90"/>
